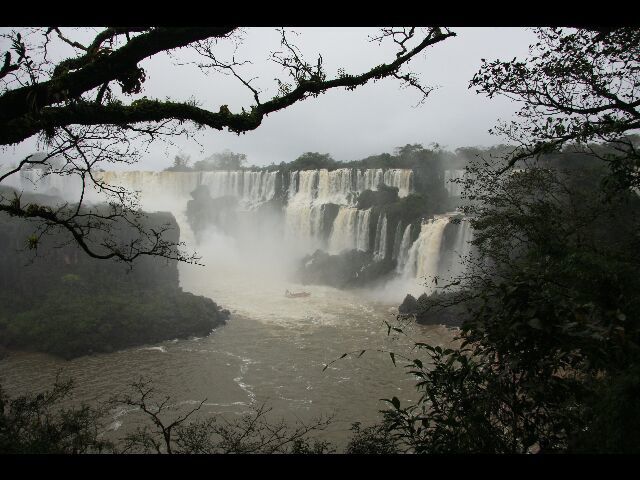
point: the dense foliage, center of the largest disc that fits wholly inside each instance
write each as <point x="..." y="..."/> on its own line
<point x="70" y="321"/>
<point x="57" y="300"/>
<point x="40" y="423"/>
<point x="554" y="303"/>
<point x="50" y="422"/>
<point x="225" y="160"/>
<point x="550" y="350"/>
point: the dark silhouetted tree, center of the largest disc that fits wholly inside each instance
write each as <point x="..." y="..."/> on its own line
<point x="78" y="109"/>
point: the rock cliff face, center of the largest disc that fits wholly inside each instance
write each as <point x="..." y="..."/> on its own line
<point x="349" y="269"/>
<point x="426" y="312"/>
<point x="57" y="299"/>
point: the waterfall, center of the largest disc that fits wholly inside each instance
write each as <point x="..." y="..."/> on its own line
<point x="154" y="185"/>
<point x="304" y="224"/>
<point x="397" y="238"/>
<point x="310" y="189"/>
<point x="344" y="230"/>
<point x="221" y="184"/>
<point x="382" y="252"/>
<point x="424" y="254"/>
<point x="400" y="178"/>
<point x="362" y="233"/>
<point x="462" y="247"/>
<point x="303" y="217"/>
<point x="336" y="186"/>
<point x="350" y="230"/>
<point x="251" y="187"/>
<point x="342" y="185"/>
<point x="403" y="252"/>
<point x="376" y="241"/>
<point x="39" y="180"/>
<point x="380" y="247"/>
<point x="308" y="192"/>
<point x="370" y="178"/>
<point x="293" y="184"/>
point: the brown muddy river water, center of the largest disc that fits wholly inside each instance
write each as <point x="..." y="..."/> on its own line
<point x="272" y="350"/>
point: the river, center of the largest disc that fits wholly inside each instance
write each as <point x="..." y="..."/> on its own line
<point x="272" y="350"/>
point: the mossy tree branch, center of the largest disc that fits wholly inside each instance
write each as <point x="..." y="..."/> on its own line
<point x="24" y="125"/>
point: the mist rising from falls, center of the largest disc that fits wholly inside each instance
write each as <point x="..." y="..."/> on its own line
<point x="308" y="209"/>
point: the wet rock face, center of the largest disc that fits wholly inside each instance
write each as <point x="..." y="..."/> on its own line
<point x="409" y="305"/>
<point x="429" y="313"/>
<point x="426" y="312"/>
<point x="348" y="269"/>
<point x="383" y="196"/>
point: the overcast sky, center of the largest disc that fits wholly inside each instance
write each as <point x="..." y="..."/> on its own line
<point x="349" y="125"/>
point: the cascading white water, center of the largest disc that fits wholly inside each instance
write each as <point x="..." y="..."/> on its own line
<point x="397" y="238"/>
<point x="341" y="186"/>
<point x="303" y="225"/>
<point x="264" y="351"/>
<point x="462" y="247"/>
<point x="157" y="188"/>
<point x="308" y="192"/>
<point x="343" y="232"/>
<point x="303" y="216"/>
<point x="336" y="186"/>
<point x="251" y="187"/>
<point x="362" y="233"/>
<point x="403" y="253"/>
<point x="400" y="178"/>
<point x="369" y="179"/>
<point x="380" y="246"/>
<point x="350" y="230"/>
<point x="223" y="183"/>
<point x="293" y="184"/>
<point x="383" y="239"/>
<point x="310" y="189"/>
<point x="308" y="195"/>
<point x="424" y="254"/>
<point x="417" y="262"/>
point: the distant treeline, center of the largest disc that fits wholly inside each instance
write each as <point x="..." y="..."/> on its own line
<point x="410" y="156"/>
